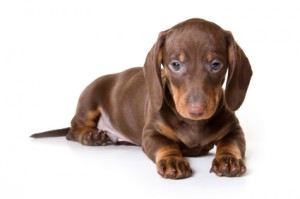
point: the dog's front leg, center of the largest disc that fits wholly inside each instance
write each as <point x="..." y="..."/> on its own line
<point x="166" y="154"/>
<point x="229" y="160"/>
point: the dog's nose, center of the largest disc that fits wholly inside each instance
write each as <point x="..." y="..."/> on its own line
<point x="197" y="110"/>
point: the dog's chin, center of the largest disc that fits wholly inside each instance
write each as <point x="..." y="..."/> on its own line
<point x="197" y="118"/>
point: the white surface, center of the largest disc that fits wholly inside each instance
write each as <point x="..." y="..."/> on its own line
<point x="50" y="50"/>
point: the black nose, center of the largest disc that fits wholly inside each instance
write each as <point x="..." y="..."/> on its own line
<point x="197" y="110"/>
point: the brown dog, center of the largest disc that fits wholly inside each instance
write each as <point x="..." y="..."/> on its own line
<point x="175" y="106"/>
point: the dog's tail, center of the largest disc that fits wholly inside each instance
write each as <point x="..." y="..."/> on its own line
<point x="52" y="133"/>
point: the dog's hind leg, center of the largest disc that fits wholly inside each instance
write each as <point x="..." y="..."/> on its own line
<point x="84" y="127"/>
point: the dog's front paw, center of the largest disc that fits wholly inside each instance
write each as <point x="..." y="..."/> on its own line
<point x="174" y="168"/>
<point x="228" y="165"/>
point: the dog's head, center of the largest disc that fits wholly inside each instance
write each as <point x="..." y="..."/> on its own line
<point x="195" y="56"/>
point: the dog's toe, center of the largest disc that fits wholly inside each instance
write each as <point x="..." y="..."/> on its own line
<point x="95" y="138"/>
<point x="228" y="166"/>
<point x="174" y="168"/>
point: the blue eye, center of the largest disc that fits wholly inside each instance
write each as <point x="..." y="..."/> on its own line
<point x="215" y="65"/>
<point x="175" y="66"/>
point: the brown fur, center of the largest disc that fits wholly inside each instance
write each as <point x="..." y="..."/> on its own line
<point x="174" y="113"/>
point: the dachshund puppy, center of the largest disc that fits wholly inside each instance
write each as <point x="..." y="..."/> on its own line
<point x="175" y="105"/>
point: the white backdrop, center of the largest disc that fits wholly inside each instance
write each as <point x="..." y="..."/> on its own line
<point x="50" y="50"/>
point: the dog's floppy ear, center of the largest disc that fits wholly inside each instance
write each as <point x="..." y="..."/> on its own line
<point x="239" y="74"/>
<point x="152" y="70"/>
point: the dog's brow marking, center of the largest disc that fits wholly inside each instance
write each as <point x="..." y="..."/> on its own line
<point x="210" y="57"/>
<point x="181" y="57"/>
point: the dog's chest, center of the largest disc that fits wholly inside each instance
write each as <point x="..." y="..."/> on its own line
<point x="195" y="136"/>
<point x="191" y="139"/>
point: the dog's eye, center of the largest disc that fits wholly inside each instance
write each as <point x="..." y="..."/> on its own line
<point x="175" y="66"/>
<point x="215" y="65"/>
